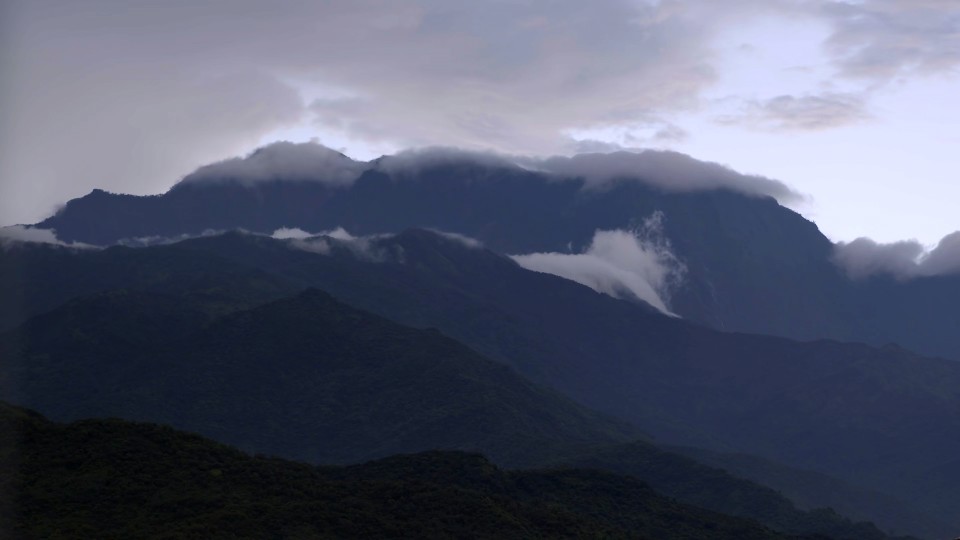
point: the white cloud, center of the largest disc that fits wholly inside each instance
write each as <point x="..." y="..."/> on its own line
<point x="459" y="238"/>
<point x="619" y="263"/>
<point x="363" y="247"/>
<point x="20" y="234"/>
<point x="285" y="233"/>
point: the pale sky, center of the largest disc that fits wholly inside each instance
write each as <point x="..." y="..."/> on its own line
<point x="854" y="104"/>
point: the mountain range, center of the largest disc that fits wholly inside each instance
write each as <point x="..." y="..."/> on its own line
<point x="749" y="264"/>
<point x="540" y="315"/>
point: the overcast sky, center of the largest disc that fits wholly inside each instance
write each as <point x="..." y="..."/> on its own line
<point x="852" y="103"/>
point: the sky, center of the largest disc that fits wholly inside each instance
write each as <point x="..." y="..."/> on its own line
<point x="852" y="103"/>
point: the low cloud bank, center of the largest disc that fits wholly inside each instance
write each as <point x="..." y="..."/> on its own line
<point x="907" y="259"/>
<point x="671" y="171"/>
<point x="284" y="161"/>
<point x="414" y="161"/>
<point x="156" y="240"/>
<point x="20" y="234"/>
<point x="664" y="169"/>
<point x="619" y="263"/>
<point x="362" y="247"/>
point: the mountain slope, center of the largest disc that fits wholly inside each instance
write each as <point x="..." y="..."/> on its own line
<point x="37" y="278"/>
<point x="305" y="377"/>
<point x="881" y="418"/>
<point x="683" y="383"/>
<point x="85" y="363"/>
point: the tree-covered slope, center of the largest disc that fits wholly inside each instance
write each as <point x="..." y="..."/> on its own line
<point x="116" y="479"/>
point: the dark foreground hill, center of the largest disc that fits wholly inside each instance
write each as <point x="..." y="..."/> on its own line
<point x="306" y="377"/>
<point x="752" y="264"/>
<point x="115" y="479"/>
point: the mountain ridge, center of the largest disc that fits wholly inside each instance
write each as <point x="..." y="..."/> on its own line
<point x="752" y="265"/>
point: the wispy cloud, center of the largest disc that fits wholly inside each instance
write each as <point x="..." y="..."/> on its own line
<point x="809" y="112"/>
<point x="623" y="264"/>
<point x="20" y="234"/>
<point x="881" y="40"/>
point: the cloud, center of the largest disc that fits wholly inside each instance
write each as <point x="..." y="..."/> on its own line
<point x="284" y="233"/>
<point x="157" y="240"/>
<point x="131" y="98"/>
<point x="21" y="234"/>
<point x="880" y="40"/>
<point x="907" y="259"/>
<point x="283" y="160"/>
<point x="667" y="170"/>
<point x="622" y="264"/>
<point x="366" y="248"/>
<point x="803" y="113"/>
<point x="462" y="239"/>
<point x="414" y="161"/>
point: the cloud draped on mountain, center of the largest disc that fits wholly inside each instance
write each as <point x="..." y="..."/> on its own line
<point x="667" y="170"/>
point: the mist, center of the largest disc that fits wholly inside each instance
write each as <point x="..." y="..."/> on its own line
<point x="283" y="161"/>
<point x="20" y="234"/>
<point x="620" y="263"/>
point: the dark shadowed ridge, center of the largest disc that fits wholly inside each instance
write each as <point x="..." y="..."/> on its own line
<point x="305" y="377"/>
<point x="861" y="413"/>
<point x="752" y="264"/>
